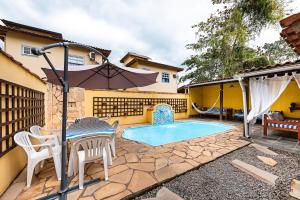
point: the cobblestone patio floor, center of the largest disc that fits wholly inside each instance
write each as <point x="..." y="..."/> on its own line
<point x="137" y="167"/>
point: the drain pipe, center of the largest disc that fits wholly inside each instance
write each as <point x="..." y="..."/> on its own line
<point x="245" y="107"/>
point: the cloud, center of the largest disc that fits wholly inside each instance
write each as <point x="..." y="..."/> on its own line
<point x="158" y="29"/>
<point x="78" y="24"/>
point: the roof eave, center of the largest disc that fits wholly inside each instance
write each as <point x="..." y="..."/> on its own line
<point x="15" y="24"/>
<point x="104" y="51"/>
<point x="283" y="69"/>
<point x="135" y="56"/>
<point x="212" y="82"/>
<point x="21" y="65"/>
<point x="177" y="69"/>
<point x="124" y="57"/>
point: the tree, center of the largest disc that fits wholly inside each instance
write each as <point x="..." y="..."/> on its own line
<point x="221" y="47"/>
<point x="278" y="52"/>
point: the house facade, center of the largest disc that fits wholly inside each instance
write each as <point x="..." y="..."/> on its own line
<point x="167" y="79"/>
<point x="19" y="39"/>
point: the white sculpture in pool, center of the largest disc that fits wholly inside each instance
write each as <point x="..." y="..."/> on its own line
<point x="162" y="114"/>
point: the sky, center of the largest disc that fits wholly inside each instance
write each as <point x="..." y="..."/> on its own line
<point x="159" y="29"/>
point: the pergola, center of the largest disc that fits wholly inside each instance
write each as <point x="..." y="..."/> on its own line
<point x="244" y="77"/>
<point x="219" y="82"/>
<point x="291" y="33"/>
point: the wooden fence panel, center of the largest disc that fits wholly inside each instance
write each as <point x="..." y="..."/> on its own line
<point x="20" y="108"/>
<point x="123" y="106"/>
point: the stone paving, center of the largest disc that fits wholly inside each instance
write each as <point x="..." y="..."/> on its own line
<point x="136" y="168"/>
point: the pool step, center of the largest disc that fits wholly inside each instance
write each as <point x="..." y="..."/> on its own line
<point x="257" y="173"/>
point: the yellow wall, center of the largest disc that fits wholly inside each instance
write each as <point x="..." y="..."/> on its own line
<point x="14" y="161"/>
<point x="233" y="96"/>
<point x="13" y="46"/>
<point x="196" y="97"/>
<point x="205" y="96"/>
<point x="210" y="95"/>
<point x="159" y="86"/>
<point x="291" y="94"/>
<point x="89" y="94"/>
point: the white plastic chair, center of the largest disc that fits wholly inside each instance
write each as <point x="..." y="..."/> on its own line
<point x="37" y="131"/>
<point x="91" y="149"/>
<point x="112" y="142"/>
<point x="46" y="150"/>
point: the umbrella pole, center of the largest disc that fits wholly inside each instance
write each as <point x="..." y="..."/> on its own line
<point x="64" y="179"/>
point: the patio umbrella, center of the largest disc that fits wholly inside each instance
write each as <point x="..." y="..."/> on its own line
<point x="105" y="76"/>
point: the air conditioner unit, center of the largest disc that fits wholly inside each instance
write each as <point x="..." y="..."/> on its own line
<point x="92" y="56"/>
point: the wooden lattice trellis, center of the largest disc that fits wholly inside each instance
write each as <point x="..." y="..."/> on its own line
<point x="119" y="106"/>
<point x="20" y="108"/>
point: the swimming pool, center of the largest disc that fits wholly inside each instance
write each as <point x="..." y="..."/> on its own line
<point x="156" y="135"/>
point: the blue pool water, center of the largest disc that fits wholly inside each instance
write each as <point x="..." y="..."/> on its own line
<point x="156" y="135"/>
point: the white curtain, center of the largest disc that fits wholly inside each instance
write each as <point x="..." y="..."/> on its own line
<point x="264" y="92"/>
<point x="297" y="79"/>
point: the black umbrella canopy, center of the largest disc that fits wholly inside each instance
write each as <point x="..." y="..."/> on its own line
<point x="105" y="76"/>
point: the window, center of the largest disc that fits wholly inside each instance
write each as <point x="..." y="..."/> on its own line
<point x="76" y="60"/>
<point x="165" y="77"/>
<point x="26" y="50"/>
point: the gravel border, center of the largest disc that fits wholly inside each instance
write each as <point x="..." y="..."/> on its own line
<point x="220" y="180"/>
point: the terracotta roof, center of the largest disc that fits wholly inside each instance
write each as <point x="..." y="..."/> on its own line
<point x="247" y="72"/>
<point x="37" y="32"/>
<point x="212" y="82"/>
<point x="156" y="64"/>
<point x="291" y="31"/>
<point x="269" y="67"/>
<point x="134" y="55"/>
<point x="31" y="28"/>
<point x="21" y="65"/>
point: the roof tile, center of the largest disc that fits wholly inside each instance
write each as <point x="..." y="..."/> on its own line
<point x="291" y="31"/>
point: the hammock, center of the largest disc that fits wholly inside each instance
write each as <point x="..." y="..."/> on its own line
<point x="204" y="111"/>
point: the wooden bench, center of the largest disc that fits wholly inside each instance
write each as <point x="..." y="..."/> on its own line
<point x="288" y="124"/>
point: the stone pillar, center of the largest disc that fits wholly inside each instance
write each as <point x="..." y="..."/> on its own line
<point x="54" y="100"/>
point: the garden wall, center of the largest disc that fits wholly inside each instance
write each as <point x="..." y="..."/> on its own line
<point x="133" y="103"/>
<point x="82" y="102"/>
<point x="16" y="82"/>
